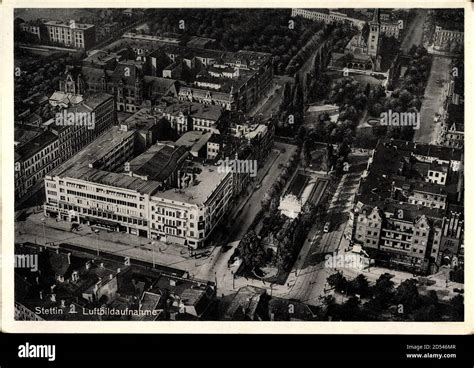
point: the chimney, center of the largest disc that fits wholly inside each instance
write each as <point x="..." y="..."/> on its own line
<point x="63" y="303"/>
<point x="53" y="297"/>
<point x="53" y="287"/>
<point x="69" y="258"/>
<point x="111" y="276"/>
<point x="118" y="270"/>
<point x="102" y="264"/>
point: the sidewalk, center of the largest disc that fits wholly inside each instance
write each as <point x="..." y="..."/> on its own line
<point x="122" y="244"/>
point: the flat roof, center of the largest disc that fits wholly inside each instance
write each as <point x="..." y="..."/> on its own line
<point x="30" y="147"/>
<point x="207" y="180"/>
<point x="78" y="166"/>
<point x="189" y="138"/>
<point x="142" y="119"/>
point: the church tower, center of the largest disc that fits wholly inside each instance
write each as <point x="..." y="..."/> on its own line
<point x="374" y="35"/>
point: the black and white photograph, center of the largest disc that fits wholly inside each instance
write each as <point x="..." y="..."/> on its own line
<point x="238" y="164"/>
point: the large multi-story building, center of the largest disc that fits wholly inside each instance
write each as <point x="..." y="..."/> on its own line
<point x="388" y="27"/>
<point x="160" y="194"/>
<point x="230" y="80"/>
<point x="71" y="34"/>
<point x="39" y="150"/>
<point x="443" y="38"/>
<point x="98" y="115"/>
<point x="236" y="81"/>
<point x="403" y="205"/>
<point x="185" y="116"/>
<point x="327" y="16"/>
<point x="33" y="27"/>
<point x="128" y="84"/>
<point x="33" y="159"/>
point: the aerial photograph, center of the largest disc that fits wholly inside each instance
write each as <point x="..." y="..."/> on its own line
<point x="270" y="164"/>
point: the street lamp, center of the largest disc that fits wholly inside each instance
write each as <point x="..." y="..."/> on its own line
<point x="44" y="230"/>
<point x="97" y="241"/>
<point x="153" y="252"/>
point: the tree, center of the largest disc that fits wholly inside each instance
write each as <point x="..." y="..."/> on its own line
<point x="407" y="295"/>
<point x="350" y="310"/>
<point x="360" y="286"/>
<point x="251" y="250"/>
<point x="284" y="255"/>
<point x="286" y="98"/>
<point x="383" y="290"/>
<point x="337" y="281"/>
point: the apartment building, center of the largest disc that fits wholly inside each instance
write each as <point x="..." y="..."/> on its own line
<point x="403" y="204"/>
<point x="74" y="135"/>
<point x="402" y="235"/>
<point x="186" y="116"/>
<point x="327" y="16"/>
<point x="33" y="27"/>
<point x="40" y="150"/>
<point x="34" y="159"/>
<point x="453" y="135"/>
<point x="71" y="34"/>
<point x="443" y="38"/>
<point x="388" y="27"/>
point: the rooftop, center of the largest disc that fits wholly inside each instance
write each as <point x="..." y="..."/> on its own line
<point x="34" y="143"/>
<point x="158" y="162"/>
<point x="197" y="110"/>
<point x="60" y="23"/>
<point x="207" y="179"/>
<point x="142" y="119"/>
<point x="393" y="171"/>
<point x="78" y="166"/>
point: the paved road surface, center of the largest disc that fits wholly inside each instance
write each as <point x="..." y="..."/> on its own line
<point x="414" y="33"/>
<point x="435" y="94"/>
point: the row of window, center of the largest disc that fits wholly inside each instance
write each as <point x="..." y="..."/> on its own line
<point x="104" y="199"/>
<point x="106" y="215"/>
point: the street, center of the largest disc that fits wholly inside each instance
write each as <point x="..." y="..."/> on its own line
<point x="414" y="33"/>
<point x="435" y="94"/>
